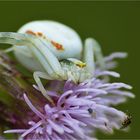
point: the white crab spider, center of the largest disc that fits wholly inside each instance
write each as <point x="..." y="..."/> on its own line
<point x="53" y="51"/>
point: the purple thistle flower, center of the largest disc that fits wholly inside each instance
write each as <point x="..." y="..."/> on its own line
<point x="81" y="109"/>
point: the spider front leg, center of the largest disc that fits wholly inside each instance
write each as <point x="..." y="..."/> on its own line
<point x="37" y="77"/>
<point x="38" y="49"/>
<point x="18" y="50"/>
<point x="92" y="50"/>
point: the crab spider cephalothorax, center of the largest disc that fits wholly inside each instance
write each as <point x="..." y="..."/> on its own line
<point x="53" y="51"/>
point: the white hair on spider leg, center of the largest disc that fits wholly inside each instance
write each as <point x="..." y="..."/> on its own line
<point x="54" y="51"/>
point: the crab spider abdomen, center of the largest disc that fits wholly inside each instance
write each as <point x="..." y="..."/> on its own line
<point x="65" y="40"/>
<point x="66" y="43"/>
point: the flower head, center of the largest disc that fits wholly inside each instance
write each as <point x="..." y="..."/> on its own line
<point x="80" y="109"/>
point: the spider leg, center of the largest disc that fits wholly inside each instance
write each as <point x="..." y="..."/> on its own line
<point x="92" y="50"/>
<point x="19" y="50"/>
<point x="39" y="49"/>
<point x="37" y="75"/>
<point x="50" y="58"/>
<point x="89" y="55"/>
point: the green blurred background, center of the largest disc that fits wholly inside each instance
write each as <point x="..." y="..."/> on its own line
<point x="116" y="25"/>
